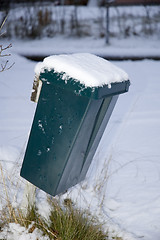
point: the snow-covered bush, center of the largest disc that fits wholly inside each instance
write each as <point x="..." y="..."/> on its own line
<point x="37" y="21"/>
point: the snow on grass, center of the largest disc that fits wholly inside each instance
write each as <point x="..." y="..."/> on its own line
<point x="16" y="231"/>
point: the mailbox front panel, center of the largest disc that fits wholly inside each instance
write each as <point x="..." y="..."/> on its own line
<point x="59" y="119"/>
<point x="66" y="131"/>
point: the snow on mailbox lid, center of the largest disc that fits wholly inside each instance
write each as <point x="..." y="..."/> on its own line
<point x="90" y="70"/>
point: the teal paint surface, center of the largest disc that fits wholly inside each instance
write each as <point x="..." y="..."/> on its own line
<point x="66" y="130"/>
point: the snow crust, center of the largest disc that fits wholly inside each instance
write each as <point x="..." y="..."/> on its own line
<point x="89" y="69"/>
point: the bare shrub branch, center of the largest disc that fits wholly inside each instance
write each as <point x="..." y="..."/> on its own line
<point x="4" y="66"/>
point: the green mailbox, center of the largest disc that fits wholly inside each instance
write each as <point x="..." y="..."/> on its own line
<point x="72" y="112"/>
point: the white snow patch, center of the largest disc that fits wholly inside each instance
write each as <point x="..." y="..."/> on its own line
<point x="89" y="69"/>
<point x="15" y="231"/>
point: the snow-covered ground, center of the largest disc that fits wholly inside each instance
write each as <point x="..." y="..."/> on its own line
<point x="123" y="182"/>
<point x="135" y="46"/>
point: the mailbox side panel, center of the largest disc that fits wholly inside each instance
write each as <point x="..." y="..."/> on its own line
<point x="102" y="121"/>
<point x="86" y="143"/>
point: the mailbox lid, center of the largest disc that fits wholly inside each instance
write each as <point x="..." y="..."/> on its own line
<point x="71" y="84"/>
<point x="84" y="73"/>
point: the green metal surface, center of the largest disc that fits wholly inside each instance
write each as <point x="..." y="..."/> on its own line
<point x="67" y="127"/>
<point x="73" y="85"/>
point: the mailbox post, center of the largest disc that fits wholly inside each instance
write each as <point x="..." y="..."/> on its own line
<point x="108" y="3"/>
<point x="68" y="124"/>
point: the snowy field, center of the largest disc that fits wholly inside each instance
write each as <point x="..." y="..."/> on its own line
<point x="122" y="186"/>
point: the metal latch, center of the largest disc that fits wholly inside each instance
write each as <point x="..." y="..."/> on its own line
<point x="37" y="85"/>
